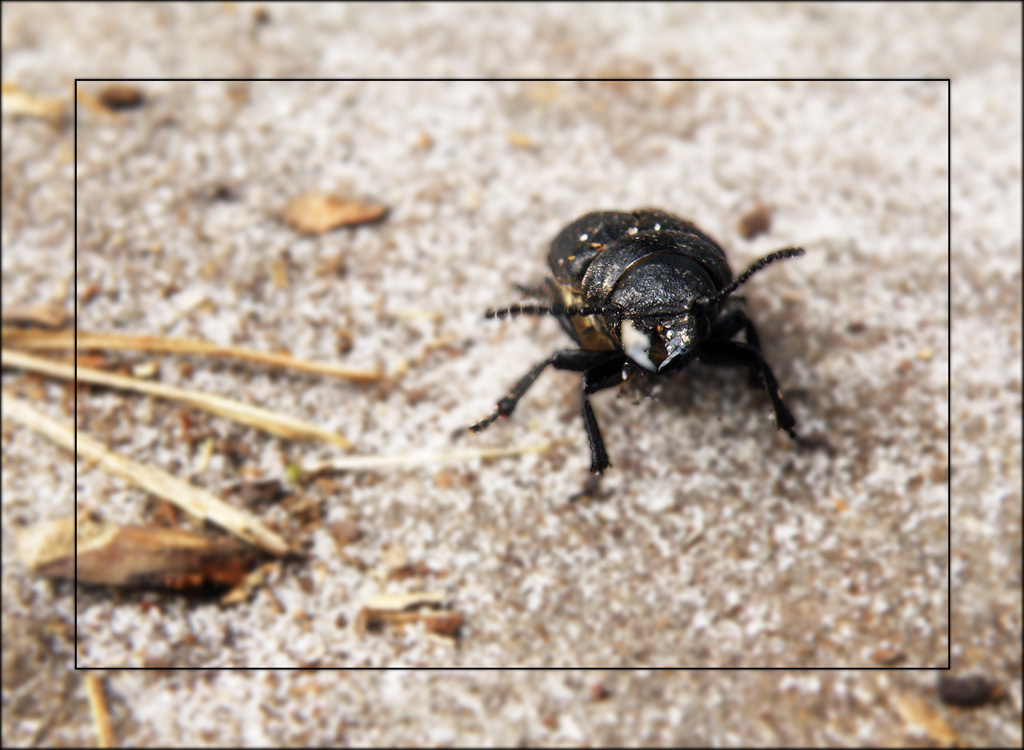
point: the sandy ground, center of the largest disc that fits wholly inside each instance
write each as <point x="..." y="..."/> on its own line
<point x="714" y="541"/>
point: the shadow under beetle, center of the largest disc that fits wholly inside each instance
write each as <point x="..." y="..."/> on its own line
<point x="641" y="292"/>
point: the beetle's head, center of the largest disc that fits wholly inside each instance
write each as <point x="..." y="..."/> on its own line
<point x="665" y="344"/>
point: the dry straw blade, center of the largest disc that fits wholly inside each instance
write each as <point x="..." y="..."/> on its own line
<point x="186" y="496"/>
<point x="37" y="340"/>
<point x="272" y="422"/>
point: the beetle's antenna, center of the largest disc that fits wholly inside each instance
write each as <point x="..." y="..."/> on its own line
<point x="790" y="252"/>
<point x="516" y="311"/>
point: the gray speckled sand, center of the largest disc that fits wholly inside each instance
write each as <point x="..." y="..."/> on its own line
<point x="715" y="541"/>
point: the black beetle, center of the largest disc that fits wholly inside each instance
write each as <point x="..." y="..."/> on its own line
<point x="641" y="292"/>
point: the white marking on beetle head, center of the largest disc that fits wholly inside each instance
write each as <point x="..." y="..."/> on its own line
<point x="637" y="345"/>
<point x="632" y="230"/>
<point x="584" y="237"/>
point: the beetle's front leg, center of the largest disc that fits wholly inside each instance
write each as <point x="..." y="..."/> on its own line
<point x="736" y="353"/>
<point x="574" y="360"/>
<point x="731" y="323"/>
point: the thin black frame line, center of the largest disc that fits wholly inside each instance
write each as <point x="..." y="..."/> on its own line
<point x="74" y="426"/>
<point x="600" y="668"/>
<point x="520" y="80"/>
<point x="949" y="303"/>
<point x="949" y="374"/>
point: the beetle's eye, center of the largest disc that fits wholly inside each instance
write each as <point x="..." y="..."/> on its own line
<point x="637" y="345"/>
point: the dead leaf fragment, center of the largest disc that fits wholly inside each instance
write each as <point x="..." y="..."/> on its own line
<point x="967" y="691"/>
<point x="44" y="544"/>
<point x="344" y="532"/>
<point x="518" y="139"/>
<point x="445" y="624"/>
<point x="394" y="556"/>
<point x="599" y="692"/>
<point x="279" y="273"/>
<point x="887" y="656"/>
<point x="316" y="213"/>
<point x="922" y="717"/>
<point x="403" y="602"/>
<point x="260" y="16"/>
<point x="757" y="220"/>
<point x="147" y="369"/>
<point x="410" y="570"/>
<point x="401" y="609"/>
<point x="132" y="556"/>
<point x="120" y="96"/>
<point x="249" y="583"/>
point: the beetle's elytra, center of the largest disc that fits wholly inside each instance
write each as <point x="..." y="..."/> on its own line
<point x="641" y="292"/>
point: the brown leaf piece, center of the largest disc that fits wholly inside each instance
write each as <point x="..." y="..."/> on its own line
<point x="316" y="213"/>
<point x="968" y="691"/>
<point x="400" y="609"/>
<point x="757" y="220"/>
<point x="132" y="556"/>
<point x="920" y="716"/>
<point x="121" y="96"/>
<point x="444" y="624"/>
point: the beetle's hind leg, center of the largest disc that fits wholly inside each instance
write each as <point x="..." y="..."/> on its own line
<point x="718" y="352"/>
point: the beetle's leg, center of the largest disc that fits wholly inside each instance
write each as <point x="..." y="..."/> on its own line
<point x="539" y="292"/>
<point x="575" y="360"/>
<point x="606" y="374"/>
<point x="736" y="353"/>
<point x="508" y="404"/>
<point x="731" y="323"/>
<point x="598" y="455"/>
